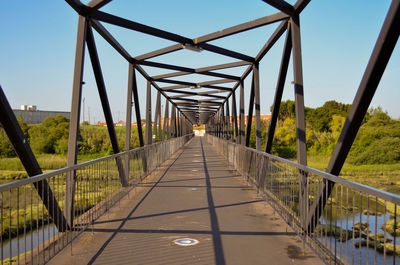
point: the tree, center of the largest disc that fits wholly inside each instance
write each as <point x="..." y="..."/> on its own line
<point x="51" y="136"/>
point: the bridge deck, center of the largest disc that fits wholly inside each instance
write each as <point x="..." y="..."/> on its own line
<point x="193" y="195"/>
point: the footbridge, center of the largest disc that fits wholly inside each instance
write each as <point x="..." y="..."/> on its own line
<point x="205" y="199"/>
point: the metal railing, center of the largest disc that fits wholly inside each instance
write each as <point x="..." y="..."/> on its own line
<point x="29" y="235"/>
<point x="356" y="224"/>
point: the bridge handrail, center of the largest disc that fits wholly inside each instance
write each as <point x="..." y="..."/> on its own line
<point x="351" y="184"/>
<point x="22" y="182"/>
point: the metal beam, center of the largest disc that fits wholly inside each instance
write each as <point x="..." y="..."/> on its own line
<point x="219" y="34"/>
<point x="190" y="84"/>
<point x="268" y="45"/>
<point x="256" y="81"/>
<point x="133" y="83"/>
<point x="241" y="27"/>
<point x="148" y="115"/>
<point x="300" y="116"/>
<point x="279" y="90"/>
<point x="228" y="123"/>
<point x="300" y="5"/>
<point x="241" y="118"/>
<point x="250" y="113"/>
<point x="272" y="40"/>
<point x="166" y="50"/>
<point x="183" y="95"/>
<point x="128" y="123"/>
<point x="101" y="87"/>
<point x="110" y="39"/>
<point x="128" y="24"/>
<point x="234" y="114"/>
<point x="184" y="69"/>
<point x="166" y="121"/>
<point x="28" y="160"/>
<point x="202" y="70"/>
<point x="97" y="4"/>
<point x="299" y="91"/>
<point x="156" y="116"/>
<point x="281" y="5"/>
<point x="214" y="82"/>
<point x="173" y="122"/>
<point x="75" y="118"/>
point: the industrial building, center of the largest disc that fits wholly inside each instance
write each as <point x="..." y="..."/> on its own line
<point x="30" y="114"/>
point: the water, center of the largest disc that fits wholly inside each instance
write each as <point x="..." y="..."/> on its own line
<point x="359" y="255"/>
<point x="31" y="240"/>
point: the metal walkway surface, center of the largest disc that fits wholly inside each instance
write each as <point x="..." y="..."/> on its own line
<point x="193" y="195"/>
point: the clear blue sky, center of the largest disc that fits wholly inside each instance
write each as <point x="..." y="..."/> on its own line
<point x="38" y="45"/>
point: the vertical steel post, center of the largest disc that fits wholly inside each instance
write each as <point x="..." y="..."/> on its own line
<point x="228" y="124"/>
<point x="156" y="115"/>
<point x="128" y="120"/>
<point x="148" y="115"/>
<point x="234" y="115"/>
<point x="256" y="81"/>
<point x="300" y="113"/>
<point x="173" y="122"/>
<point x="94" y="58"/>
<point x="179" y="123"/>
<point x="166" y="121"/>
<point x="160" y="128"/>
<point x="250" y="113"/>
<point x="74" y="118"/>
<point x="223" y="127"/>
<point x="241" y="118"/>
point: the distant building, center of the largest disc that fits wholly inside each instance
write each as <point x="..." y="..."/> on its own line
<point x="120" y="124"/>
<point x="30" y="114"/>
<point x="101" y="124"/>
<point x="265" y="118"/>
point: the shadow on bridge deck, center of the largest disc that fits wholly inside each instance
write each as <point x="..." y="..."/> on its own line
<point x="193" y="195"/>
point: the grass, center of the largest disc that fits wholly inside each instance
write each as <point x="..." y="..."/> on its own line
<point x="46" y="161"/>
<point x="382" y="176"/>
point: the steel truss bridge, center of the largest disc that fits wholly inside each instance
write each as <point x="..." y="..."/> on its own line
<point x="336" y="218"/>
